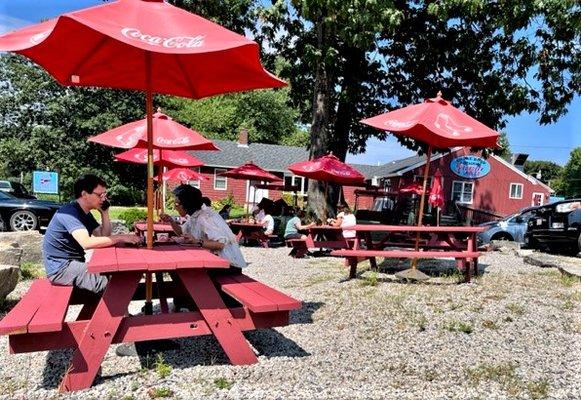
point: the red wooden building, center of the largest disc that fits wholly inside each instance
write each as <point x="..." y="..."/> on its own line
<point x="492" y="184"/>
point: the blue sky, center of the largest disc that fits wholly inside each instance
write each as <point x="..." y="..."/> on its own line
<point x="551" y="142"/>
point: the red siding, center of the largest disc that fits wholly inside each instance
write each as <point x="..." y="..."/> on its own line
<point x="491" y="192"/>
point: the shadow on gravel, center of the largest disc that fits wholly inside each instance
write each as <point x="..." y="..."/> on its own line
<point x="57" y="361"/>
<point x="304" y="315"/>
<point x="434" y="269"/>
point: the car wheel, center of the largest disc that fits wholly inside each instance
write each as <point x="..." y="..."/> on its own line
<point x="502" y="236"/>
<point x="23" y="220"/>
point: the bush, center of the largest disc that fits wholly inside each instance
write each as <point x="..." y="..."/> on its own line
<point x="131" y="215"/>
<point x="123" y="196"/>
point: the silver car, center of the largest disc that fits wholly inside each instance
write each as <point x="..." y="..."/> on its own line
<point x="511" y="228"/>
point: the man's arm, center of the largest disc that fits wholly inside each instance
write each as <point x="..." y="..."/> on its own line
<point x="95" y="242"/>
<point x="105" y="228"/>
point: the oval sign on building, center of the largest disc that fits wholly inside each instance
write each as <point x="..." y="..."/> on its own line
<point x="470" y="167"/>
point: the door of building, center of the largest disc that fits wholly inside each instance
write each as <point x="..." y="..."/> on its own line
<point x="538" y="199"/>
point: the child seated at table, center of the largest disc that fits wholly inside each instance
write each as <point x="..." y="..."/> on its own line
<point x="345" y="218"/>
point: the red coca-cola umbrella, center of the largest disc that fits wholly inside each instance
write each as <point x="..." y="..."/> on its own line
<point x="167" y="134"/>
<point x="328" y="168"/>
<point x="252" y="172"/>
<point x="168" y="158"/>
<point x="439" y="125"/>
<point x="413" y="188"/>
<point x="143" y="45"/>
<point x="180" y="175"/>
<point x="436" y="197"/>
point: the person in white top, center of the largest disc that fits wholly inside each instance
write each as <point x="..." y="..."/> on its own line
<point x="205" y="227"/>
<point x="345" y="218"/>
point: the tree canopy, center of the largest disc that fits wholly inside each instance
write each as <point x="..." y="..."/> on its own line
<point x="350" y="60"/>
<point x="570" y="178"/>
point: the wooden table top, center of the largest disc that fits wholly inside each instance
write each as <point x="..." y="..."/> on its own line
<point x="162" y="258"/>
<point x="157" y="227"/>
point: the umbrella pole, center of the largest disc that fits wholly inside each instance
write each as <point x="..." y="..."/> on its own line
<point x="148" y="308"/>
<point x="422" y="201"/>
<point x="161" y="182"/>
<point x="437" y="216"/>
<point x="325" y="202"/>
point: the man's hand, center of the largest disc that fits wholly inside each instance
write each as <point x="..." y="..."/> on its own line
<point x="127" y="238"/>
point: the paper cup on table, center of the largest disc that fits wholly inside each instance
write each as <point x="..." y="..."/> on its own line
<point x="162" y="237"/>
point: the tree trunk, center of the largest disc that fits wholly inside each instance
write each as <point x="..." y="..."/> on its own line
<point x="320" y="134"/>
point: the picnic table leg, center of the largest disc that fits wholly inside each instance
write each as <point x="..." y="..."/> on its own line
<point x="218" y="316"/>
<point x="352" y="267"/>
<point x="161" y="294"/>
<point x="473" y="246"/>
<point x="369" y="243"/>
<point x="100" y="331"/>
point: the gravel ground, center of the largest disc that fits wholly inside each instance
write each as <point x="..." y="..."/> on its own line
<point x="512" y="333"/>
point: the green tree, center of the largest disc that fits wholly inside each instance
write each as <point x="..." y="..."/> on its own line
<point x="549" y="170"/>
<point x="349" y="60"/>
<point x="265" y="113"/>
<point x="570" y="179"/>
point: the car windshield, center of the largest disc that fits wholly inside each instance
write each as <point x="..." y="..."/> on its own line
<point x="5" y="185"/>
<point x="6" y="196"/>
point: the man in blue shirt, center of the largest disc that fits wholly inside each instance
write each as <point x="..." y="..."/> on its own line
<point x="73" y="229"/>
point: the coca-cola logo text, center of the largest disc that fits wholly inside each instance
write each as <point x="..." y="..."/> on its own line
<point x="175" y="42"/>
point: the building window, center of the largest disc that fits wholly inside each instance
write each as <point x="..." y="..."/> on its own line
<point x="300" y="181"/>
<point x="515" y="191"/>
<point x="462" y="191"/>
<point x="195" y="184"/>
<point x="220" y="182"/>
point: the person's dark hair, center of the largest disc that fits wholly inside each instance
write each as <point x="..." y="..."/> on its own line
<point x="190" y="198"/>
<point x="301" y="214"/>
<point x="88" y="183"/>
<point x="226" y="207"/>
<point x="207" y="201"/>
<point x="345" y="208"/>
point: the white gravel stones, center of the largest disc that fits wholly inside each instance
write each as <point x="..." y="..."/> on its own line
<point x="513" y="333"/>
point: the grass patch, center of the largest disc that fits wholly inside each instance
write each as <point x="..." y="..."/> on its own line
<point x="370" y="280"/>
<point x="162" y="368"/>
<point x="223" y="383"/>
<point x="30" y="270"/>
<point x="516" y="309"/>
<point x="569" y="280"/>
<point x="505" y="375"/>
<point x="489" y="324"/>
<point x="156" y="393"/>
<point x="459" y="326"/>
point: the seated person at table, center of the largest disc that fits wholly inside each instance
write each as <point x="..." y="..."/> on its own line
<point x="225" y="211"/>
<point x="294" y="225"/>
<point x="345" y="218"/>
<point x="267" y="221"/>
<point x="73" y="229"/>
<point x="206" y="228"/>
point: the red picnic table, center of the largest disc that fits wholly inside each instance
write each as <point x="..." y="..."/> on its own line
<point x="35" y="324"/>
<point x="249" y="230"/>
<point x="158" y="227"/>
<point x="457" y="242"/>
<point x="320" y="236"/>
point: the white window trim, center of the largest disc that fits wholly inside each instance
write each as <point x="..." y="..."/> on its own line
<point x="542" y="198"/>
<point x="471" y="193"/>
<point x="510" y="190"/>
<point x="219" y="171"/>
<point x="195" y="183"/>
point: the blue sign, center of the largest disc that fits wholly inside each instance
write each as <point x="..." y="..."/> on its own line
<point x="45" y="182"/>
<point x="470" y="167"/>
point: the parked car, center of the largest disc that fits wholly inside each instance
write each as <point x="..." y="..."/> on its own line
<point x="556" y="227"/>
<point x="511" y="228"/>
<point x="16" y="189"/>
<point x="24" y="214"/>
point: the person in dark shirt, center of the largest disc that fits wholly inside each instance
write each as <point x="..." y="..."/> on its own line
<point x="73" y="229"/>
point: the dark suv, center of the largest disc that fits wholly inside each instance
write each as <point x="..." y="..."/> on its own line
<point x="16" y="189"/>
<point x="556" y="227"/>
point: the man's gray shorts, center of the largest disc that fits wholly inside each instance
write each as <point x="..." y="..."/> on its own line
<point x="76" y="274"/>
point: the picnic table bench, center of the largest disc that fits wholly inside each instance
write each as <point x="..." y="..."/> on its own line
<point x="322" y="237"/>
<point x="37" y="322"/>
<point x="458" y="242"/>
